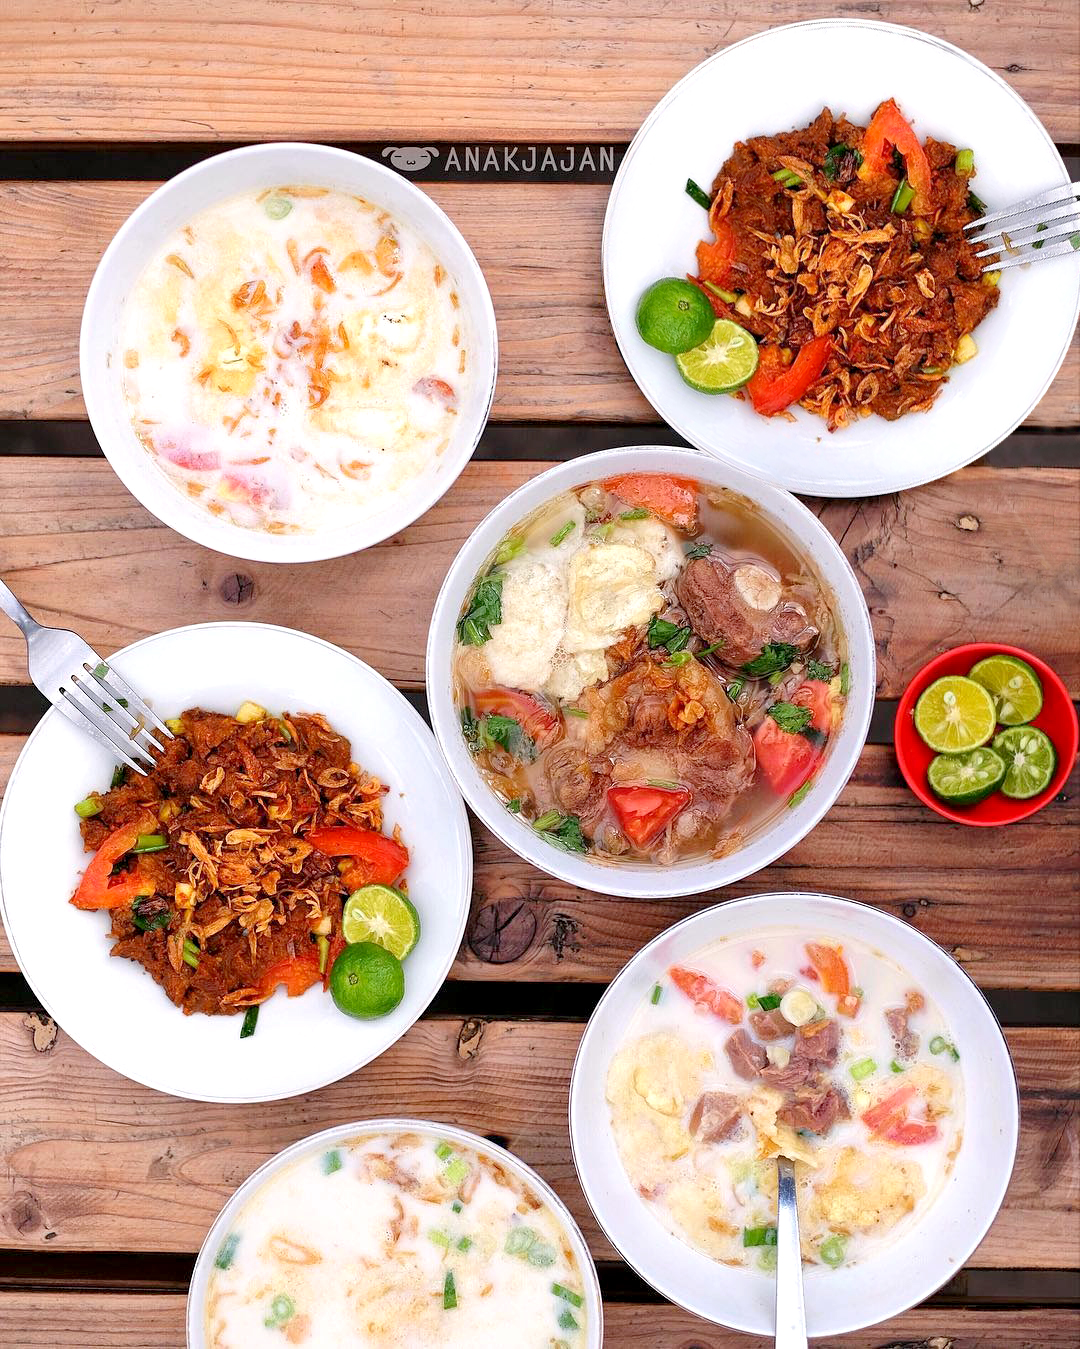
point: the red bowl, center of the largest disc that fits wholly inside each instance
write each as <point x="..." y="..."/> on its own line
<point x="1057" y="719"/>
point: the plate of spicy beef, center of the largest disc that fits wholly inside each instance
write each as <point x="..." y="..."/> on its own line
<point x="184" y="927"/>
<point x="814" y="183"/>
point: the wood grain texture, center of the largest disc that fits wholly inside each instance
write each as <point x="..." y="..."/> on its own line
<point x="75" y="540"/>
<point x="968" y="889"/>
<point x="100" y="1174"/>
<point x="557" y="354"/>
<point x="156" y="1321"/>
<point x="313" y="68"/>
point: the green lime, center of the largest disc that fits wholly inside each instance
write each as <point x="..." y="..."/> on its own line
<point x="1014" y="686"/>
<point x="955" y="714"/>
<point x="963" y="779"/>
<point x="723" y="362"/>
<point x="366" y="980"/>
<point x="1030" y="760"/>
<point x="381" y="914"/>
<point x="674" y="315"/>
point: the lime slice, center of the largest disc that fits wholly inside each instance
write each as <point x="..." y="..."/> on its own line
<point x="1030" y="760"/>
<point x="381" y="914"/>
<point x="673" y="315"/>
<point x="963" y="779"/>
<point x="723" y="362"/>
<point x="955" y="714"/>
<point x="1014" y="686"/>
<point x="366" y="981"/>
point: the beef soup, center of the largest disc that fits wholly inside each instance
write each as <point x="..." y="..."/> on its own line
<point x="648" y="669"/>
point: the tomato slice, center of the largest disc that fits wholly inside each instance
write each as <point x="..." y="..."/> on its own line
<point x="534" y="716"/>
<point x="774" y="386"/>
<point x="714" y="257"/>
<point x="911" y="1132"/>
<point x="701" y="991"/>
<point x="889" y="1112"/>
<point x="830" y="964"/>
<point x="99" y="888"/>
<point x="788" y="758"/>
<point x="889" y="127"/>
<point x="672" y="499"/>
<point x="297" y="973"/>
<point x="378" y="859"/>
<point x="645" y="812"/>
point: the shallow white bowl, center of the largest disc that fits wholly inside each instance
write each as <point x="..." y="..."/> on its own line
<point x="778" y="80"/>
<point x="641" y="880"/>
<point x="173" y="205"/>
<point x="200" y="1279"/>
<point x="112" y="1007"/>
<point x="905" y="1272"/>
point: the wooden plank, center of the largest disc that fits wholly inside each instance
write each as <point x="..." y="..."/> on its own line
<point x="315" y="69"/>
<point x="75" y="540"/>
<point x="975" y="903"/>
<point x="558" y="358"/>
<point x="98" y="1175"/>
<point x="156" y="1321"/>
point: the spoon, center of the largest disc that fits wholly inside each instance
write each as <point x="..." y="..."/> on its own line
<point x="790" y="1313"/>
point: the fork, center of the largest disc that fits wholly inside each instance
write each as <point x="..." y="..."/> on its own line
<point x="1043" y="227"/>
<point x="87" y="690"/>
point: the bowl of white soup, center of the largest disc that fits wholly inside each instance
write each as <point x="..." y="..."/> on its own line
<point x="391" y="1233"/>
<point x="814" y="1028"/>
<point x="288" y="352"/>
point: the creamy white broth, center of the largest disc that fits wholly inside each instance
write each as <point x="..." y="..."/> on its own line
<point x="355" y="1244"/>
<point x="857" y="1191"/>
<point x="294" y="359"/>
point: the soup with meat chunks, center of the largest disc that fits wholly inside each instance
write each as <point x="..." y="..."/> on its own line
<point x="789" y="1042"/>
<point x="647" y="669"/>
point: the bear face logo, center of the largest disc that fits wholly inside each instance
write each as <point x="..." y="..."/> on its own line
<point x="410" y="158"/>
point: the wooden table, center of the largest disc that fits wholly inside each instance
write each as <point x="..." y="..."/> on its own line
<point x="106" y="1189"/>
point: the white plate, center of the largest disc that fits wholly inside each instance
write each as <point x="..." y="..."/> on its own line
<point x="112" y="1007"/>
<point x="781" y="79"/>
<point x="329" y="1138"/>
<point x="904" y="1272"/>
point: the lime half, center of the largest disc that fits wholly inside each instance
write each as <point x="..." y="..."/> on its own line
<point x="1014" y="686"/>
<point x="1030" y="760"/>
<point x="381" y="914"/>
<point x="366" y="981"/>
<point x="955" y="714"/>
<point x="673" y="315"/>
<point x="963" y="779"/>
<point x="723" y="362"/>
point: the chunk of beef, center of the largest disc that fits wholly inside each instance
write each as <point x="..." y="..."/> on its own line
<point x="795" y="1073"/>
<point x="905" y="1039"/>
<point x="576" y="787"/>
<point x="747" y="1057"/>
<point x="815" y="1108"/>
<point x="772" y="1025"/>
<point x="741" y="606"/>
<point x="715" y="1117"/>
<point x="207" y="730"/>
<point x="818" y="1043"/>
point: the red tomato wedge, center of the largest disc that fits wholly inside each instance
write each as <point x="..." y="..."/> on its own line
<point x="788" y="758"/>
<point x="99" y="888"/>
<point x="911" y="1133"/>
<point x="672" y="499"/>
<point x="298" y="974"/>
<point x="534" y="717"/>
<point x="774" y="386"/>
<point x="378" y="859"/>
<point x="890" y="128"/>
<point x="645" y="812"/>
<point x="830" y="964"/>
<point x="714" y="257"/>
<point x="701" y="991"/>
<point x="890" y="1111"/>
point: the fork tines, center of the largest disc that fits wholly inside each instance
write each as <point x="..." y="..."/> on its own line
<point x="117" y="714"/>
<point x="1043" y="227"/>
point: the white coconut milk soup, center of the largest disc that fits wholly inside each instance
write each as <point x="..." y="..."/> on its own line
<point x="395" y="1240"/>
<point x="293" y="359"/>
<point x="790" y="1042"/>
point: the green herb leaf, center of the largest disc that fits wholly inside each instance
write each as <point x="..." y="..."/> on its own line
<point x="708" y="650"/>
<point x="541" y="1254"/>
<point x="567" y="1320"/>
<point x="484" y="611"/>
<point x="699" y="549"/>
<point x="816" y="669"/>
<point x="564" y="831"/>
<point x="514" y="806"/>
<point x="510" y="547"/>
<point x="331" y="1162"/>
<point x="153" y="921"/>
<point x="449" y="1292"/>
<point x="638" y="513"/>
<point x="774" y="656"/>
<point x="518" y="1240"/>
<point x="769" y="1002"/>
<point x="976" y="204"/>
<point x="842" y="163"/>
<point x="117" y="776"/>
<point x="845" y="678"/>
<point x="505" y="731"/>
<point x="563" y="533"/>
<point x="789" y="717"/>
<point x="699" y="194"/>
<point x="734" y="688"/>
<point x="250" y="1021"/>
<point x="670" y="635"/>
<point x="799" y="794"/>
<point x="895" y="1067"/>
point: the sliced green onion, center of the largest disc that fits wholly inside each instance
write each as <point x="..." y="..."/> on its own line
<point x="443" y="1151"/>
<point x="752" y="1001"/>
<point x="514" y="806"/>
<point x="323" y="943"/>
<point x="88" y="807"/>
<point x="977" y="204"/>
<point x="547" y="820"/>
<point x="456" y="1171"/>
<point x="439" y="1238"/>
<point x="679" y="658"/>
<point x="965" y="161"/>
<point x="518" y="1240"/>
<point x="656" y="994"/>
<point x="638" y="513"/>
<point x="1074" y="241"/>
<point x="150" y="843"/>
<point x="845" y="678"/>
<point x="174" y="724"/>
<point x="567" y="1295"/>
<point x="464" y="1244"/>
<point x="735" y="688"/>
<point x="766" y="1258"/>
<point x="508" y="549"/>
<point x="277" y="208"/>
<point x="769" y="1002"/>
<point x="665" y="784"/>
<point x="932" y="370"/>
<point x="567" y="1320"/>
<point x="575" y="712"/>
<point x="247" y="1026"/>
<point x="895" y="1067"/>
<point x="282" y="1309"/>
<point x="939" y="1045"/>
<point x="331" y="1162"/>
<point x="117" y="776"/>
<point x="563" y="533"/>
<point x="728" y="296"/>
<point x="799" y="794"/>
<point x="832" y="1251"/>
<point x="449" y="1292"/>
<point x="100" y="670"/>
<point x="787" y="178"/>
<point x="699" y="194"/>
<point x="190" y="954"/>
<point x="862" y="1069"/>
<point x="708" y="650"/>
<point x="1039" y="229"/>
<point x="902" y="197"/>
<point x="540" y="1254"/>
<point x="604" y="531"/>
<point x="759" y="1236"/>
<point x="226" y="1251"/>
<point x="455" y="1207"/>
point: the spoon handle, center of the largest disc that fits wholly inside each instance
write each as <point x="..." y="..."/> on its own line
<point x="790" y="1314"/>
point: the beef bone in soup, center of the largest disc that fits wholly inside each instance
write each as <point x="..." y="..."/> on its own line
<point x="647" y="669"/>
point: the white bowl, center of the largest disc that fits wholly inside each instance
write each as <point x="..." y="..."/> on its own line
<point x="903" y="1273"/>
<point x="173" y="205"/>
<point x="642" y="880"/>
<point x="778" y="80"/>
<point x="112" y="1007"/>
<point x="342" y="1133"/>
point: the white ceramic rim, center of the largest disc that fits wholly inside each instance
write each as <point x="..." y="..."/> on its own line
<point x="465" y="859"/>
<point x="808" y="487"/>
<point x="888" y="920"/>
<point x="341" y="1133"/>
<point x="626" y="880"/>
<point x="233" y="540"/>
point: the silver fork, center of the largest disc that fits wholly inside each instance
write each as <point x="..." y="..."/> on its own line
<point x="1043" y="227"/>
<point x="87" y="690"/>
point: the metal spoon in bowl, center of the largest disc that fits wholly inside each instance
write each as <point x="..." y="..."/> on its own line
<point x="790" y="1313"/>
